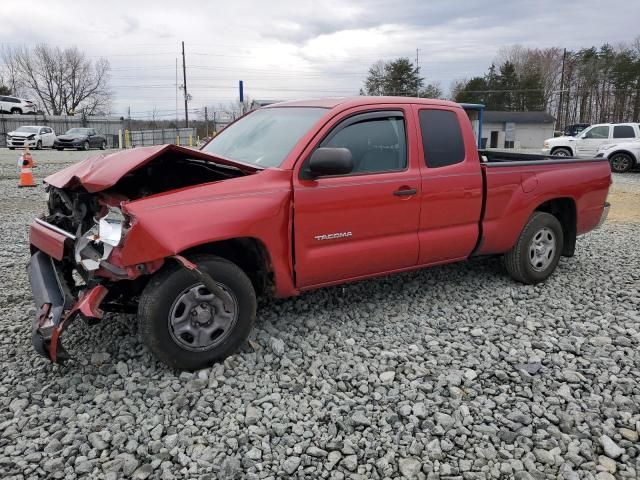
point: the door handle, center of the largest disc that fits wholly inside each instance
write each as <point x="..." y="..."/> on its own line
<point x="405" y="192"/>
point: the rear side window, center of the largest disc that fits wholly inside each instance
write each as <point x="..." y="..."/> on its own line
<point x="623" y="131"/>
<point x="441" y="138"/>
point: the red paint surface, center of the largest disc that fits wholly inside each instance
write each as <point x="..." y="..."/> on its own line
<point x="45" y="239"/>
<point x="440" y="224"/>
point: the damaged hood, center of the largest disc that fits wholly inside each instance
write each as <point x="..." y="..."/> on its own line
<point x="103" y="171"/>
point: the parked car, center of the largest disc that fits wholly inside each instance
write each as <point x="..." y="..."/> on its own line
<point x="81" y="139"/>
<point x="16" y="105"/>
<point x="575" y="128"/>
<point x="589" y="141"/>
<point x="289" y="198"/>
<point x="622" y="156"/>
<point x="32" y="136"/>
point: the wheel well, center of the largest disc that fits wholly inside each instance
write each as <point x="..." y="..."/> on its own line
<point x="248" y="253"/>
<point x="562" y="148"/>
<point x="564" y="209"/>
<point x="625" y="152"/>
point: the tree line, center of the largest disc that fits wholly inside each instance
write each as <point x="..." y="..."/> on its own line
<point x="60" y="81"/>
<point x="589" y="85"/>
<point x="398" y="78"/>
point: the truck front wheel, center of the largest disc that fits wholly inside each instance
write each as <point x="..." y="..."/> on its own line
<point x="186" y="326"/>
<point x="537" y="251"/>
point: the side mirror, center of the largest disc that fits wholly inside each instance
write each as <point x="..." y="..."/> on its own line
<point x="330" y="161"/>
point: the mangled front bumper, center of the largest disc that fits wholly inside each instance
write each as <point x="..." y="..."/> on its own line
<point x="55" y="303"/>
<point x="55" y="308"/>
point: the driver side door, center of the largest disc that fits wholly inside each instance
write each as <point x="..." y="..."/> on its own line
<point x="364" y="222"/>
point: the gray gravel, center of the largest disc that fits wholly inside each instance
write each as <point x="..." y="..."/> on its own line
<point x="453" y="372"/>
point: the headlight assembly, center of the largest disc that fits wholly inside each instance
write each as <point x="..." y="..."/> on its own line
<point x="111" y="227"/>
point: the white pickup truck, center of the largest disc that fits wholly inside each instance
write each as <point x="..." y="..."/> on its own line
<point x="622" y="156"/>
<point x="591" y="139"/>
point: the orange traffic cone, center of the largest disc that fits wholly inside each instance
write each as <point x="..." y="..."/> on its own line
<point x="26" y="174"/>
<point x="28" y="155"/>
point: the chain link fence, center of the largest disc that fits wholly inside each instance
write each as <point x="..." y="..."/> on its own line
<point x="107" y="126"/>
<point x="178" y="136"/>
<point x="112" y="128"/>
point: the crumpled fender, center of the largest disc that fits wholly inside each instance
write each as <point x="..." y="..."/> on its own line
<point x="254" y="206"/>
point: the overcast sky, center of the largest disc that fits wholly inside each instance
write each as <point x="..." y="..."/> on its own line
<point x="297" y="48"/>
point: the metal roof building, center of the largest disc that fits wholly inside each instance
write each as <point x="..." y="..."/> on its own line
<point x="516" y="129"/>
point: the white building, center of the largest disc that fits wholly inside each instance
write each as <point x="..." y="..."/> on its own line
<point x="516" y="129"/>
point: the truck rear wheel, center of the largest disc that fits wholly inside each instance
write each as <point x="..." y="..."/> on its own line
<point x="537" y="251"/>
<point x="185" y="325"/>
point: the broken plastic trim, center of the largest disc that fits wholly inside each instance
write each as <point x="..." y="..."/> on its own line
<point x="107" y="232"/>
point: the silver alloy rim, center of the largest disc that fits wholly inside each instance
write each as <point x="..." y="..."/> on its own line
<point x="561" y="153"/>
<point x="620" y="162"/>
<point x="542" y="249"/>
<point x="198" y="320"/>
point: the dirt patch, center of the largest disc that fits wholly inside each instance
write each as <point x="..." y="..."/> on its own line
<point x="625" y="207"/>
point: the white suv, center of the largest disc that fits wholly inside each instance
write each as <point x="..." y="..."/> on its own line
<point x="589" y="141"/>
<point x="622" y="156"/>
<point x="16" y="105"/>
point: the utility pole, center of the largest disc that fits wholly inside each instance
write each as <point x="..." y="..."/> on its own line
<point x="186" y="95"/>
<point x="206" y="121"/>
<point x="564" y="56"/>
<point x="176" y="92"/>
<point x="417" y="72"/>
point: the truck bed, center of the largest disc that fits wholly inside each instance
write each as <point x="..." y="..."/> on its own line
<point x="516" y="184"/>
<point x="501" y="158"/>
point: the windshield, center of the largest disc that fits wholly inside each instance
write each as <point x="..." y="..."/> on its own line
<point x="264" y="137"/>
<point x="76" y="131"/>
<point x="28" y="129"/>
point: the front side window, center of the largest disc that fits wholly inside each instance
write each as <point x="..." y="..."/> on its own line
<point x="264" y="137"/>
<point x="377" y="144"/>
<point x="441" y="138"/>
<point x="598" y="133"/>
<point x="623" y="131"/>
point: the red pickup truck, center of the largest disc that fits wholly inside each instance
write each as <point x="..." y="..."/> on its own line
<point x="293" y="197"/>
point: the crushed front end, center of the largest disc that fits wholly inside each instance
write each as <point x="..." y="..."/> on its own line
<point x="74" y="267"/>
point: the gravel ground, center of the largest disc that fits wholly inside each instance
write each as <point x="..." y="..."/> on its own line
<point x="452" y="372"/>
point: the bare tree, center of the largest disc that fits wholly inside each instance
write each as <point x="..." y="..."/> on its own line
<point x="63" y="80"/>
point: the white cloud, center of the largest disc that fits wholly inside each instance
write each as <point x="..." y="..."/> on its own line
<point x="291" y="49"/>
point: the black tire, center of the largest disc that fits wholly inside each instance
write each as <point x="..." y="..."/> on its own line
<point x="164" y="290"/>
<point x="103" y="145"/>
<point x="86" y="145"/>
<point x="59" y="149"/>
<point x="12" y="148"/>
<point x="621" y="162"/>
<point x="39" y="145"/>
<point x="16" y="111"/>
<point x="518" y="261"/>
<point x="561" y="152"/>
